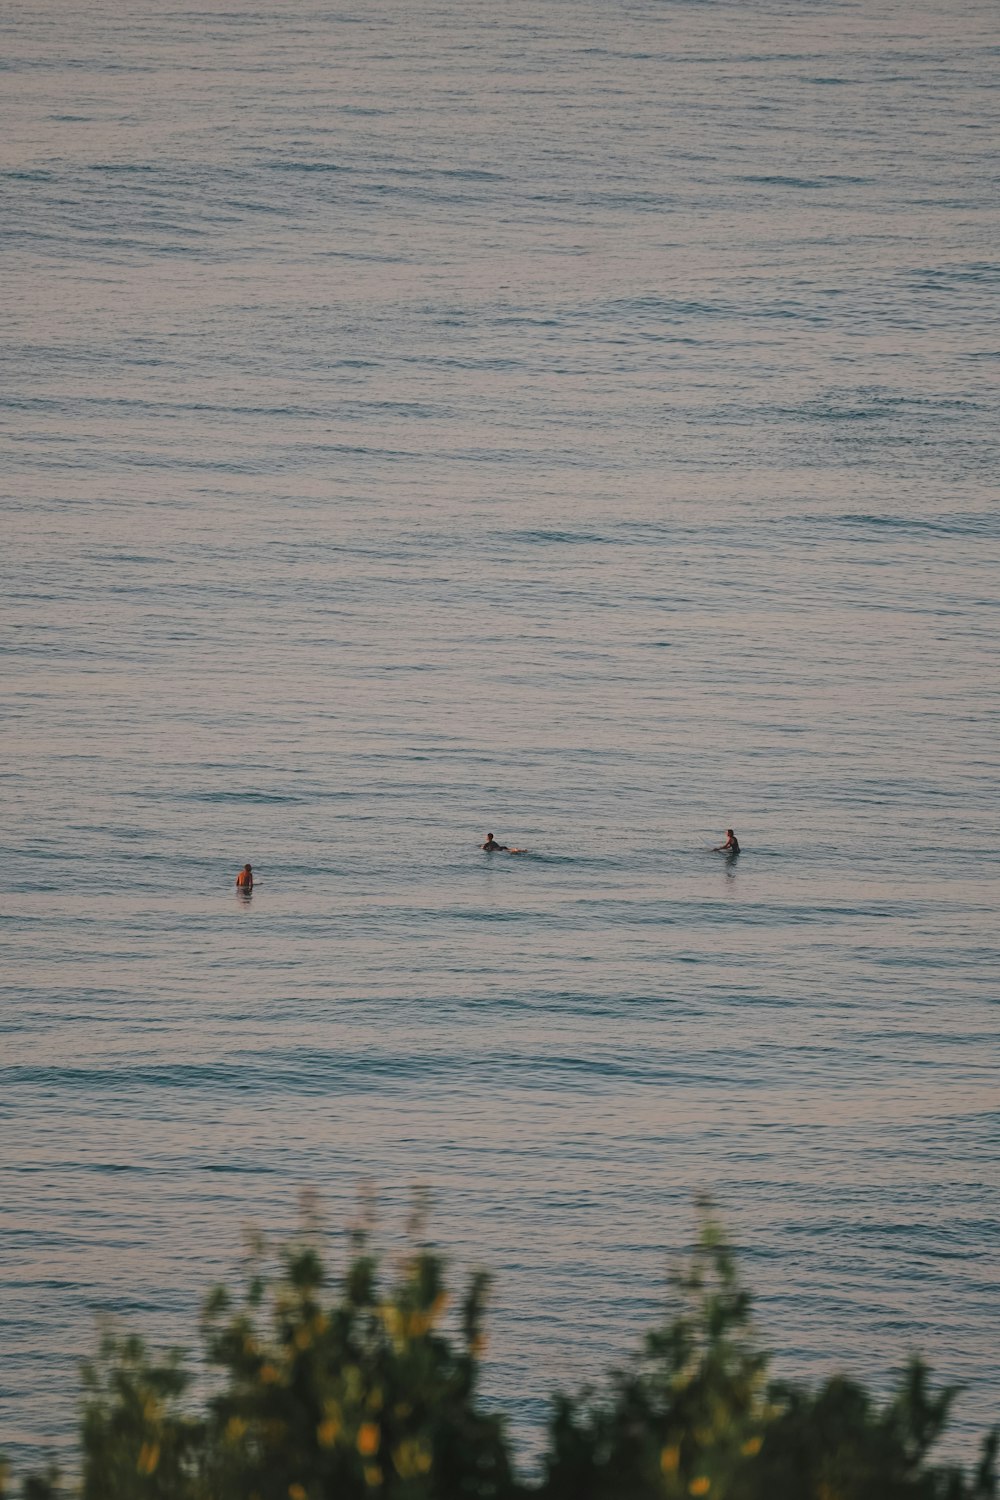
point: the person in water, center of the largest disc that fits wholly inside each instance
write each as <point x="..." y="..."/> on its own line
<point x="492" y="847"/>
<point x="731" y="846"/>
<point x="244" y="880"/>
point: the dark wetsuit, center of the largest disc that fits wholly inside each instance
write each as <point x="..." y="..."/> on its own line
<point x="493" y="847"/>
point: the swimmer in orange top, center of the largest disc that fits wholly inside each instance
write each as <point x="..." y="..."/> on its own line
<point x="244" y="880"/>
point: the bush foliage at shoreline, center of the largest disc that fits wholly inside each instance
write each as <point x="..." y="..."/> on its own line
<point x="358" y="1390"/>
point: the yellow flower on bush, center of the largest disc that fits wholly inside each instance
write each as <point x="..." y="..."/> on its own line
<point x="235" y="1428"/>
<point x="149" y="1457"/>
<point x="369" y="1438"/>
<point x="326" y="1432"/>
<point x="297" y="1492"/>
<point x="373" y="1475"/>
<point x="410" y="1458"/>
<point x="700" y="1486"/>
<point x="670" y="1457"/>
<point x="753" y="1446"/>
<point x="268" y="1374"/>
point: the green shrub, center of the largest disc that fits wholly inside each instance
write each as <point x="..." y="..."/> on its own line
<point x="363" y="1393"/>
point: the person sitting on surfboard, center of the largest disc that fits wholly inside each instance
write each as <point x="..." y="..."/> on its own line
<point x="731" y="846"/>
<point x="244" y="880"/>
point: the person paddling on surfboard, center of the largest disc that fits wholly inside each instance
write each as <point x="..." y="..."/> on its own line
<point x="731" y="846"/>
<point x="492" y="847"/>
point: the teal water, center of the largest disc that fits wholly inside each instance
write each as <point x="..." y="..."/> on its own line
<point x="578" y="422"/>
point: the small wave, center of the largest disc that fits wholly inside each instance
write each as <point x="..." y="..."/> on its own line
<point x="779" y="181"/>
<point x="305" y="166"/>
<point x="980" y="524"/>
<point x="251" y="797"/>
<point x="544" y="535"/>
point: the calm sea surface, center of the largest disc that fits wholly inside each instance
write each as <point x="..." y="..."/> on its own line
<point x="575" y="419"/>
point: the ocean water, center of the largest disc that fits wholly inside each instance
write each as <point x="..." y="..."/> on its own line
<point x="575" y="419"/>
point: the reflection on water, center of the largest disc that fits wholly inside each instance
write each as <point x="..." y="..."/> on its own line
<point x="553" y="419"/>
